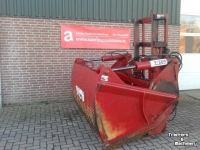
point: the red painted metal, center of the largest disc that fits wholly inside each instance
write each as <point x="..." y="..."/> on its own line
<point x="145" y="20"/>
<point x="146" y="64"/>
<point x="145" y="44"/>
<point x="113" y="57"/>
<point x="116" y="109"/>
<point x="121" y="103"/>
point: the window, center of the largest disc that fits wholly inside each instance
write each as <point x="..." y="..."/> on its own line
<point x="190" y="34"/>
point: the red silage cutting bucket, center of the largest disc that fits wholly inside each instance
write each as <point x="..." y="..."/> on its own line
<point x="119" y="111"/>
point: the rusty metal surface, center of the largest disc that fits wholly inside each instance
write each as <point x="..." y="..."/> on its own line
<point x="86" y="80"/>
<point x="167" y="80"/>
<point x="120" y="106"/>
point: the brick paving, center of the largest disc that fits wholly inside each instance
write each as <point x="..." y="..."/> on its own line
<point x="55" y="126"/>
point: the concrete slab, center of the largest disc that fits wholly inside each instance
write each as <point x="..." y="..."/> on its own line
<point x="192" y="93"/>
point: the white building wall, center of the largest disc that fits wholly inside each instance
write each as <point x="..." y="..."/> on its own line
<point x="189" y="76"/>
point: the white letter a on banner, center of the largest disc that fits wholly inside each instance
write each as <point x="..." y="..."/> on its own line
<point x="68" y="36"/>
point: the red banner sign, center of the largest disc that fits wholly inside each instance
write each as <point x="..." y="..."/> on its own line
<point x="94" y="37"/>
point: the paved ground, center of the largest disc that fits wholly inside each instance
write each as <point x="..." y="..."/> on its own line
<point x="193" y="93"/>
<point x="55" y="126"/>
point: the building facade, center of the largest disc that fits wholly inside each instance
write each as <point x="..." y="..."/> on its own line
<point x="190" y="45"/>
<point x="35" y="68"/>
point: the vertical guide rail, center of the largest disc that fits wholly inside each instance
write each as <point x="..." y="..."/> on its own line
<point x="143" y="38"/>
<point x="166" y="29"/>
<point x="154" y="35"/>
<point x="136" y="38"/>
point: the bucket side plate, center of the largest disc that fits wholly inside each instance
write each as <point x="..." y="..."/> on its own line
<point x="83" y="83"/>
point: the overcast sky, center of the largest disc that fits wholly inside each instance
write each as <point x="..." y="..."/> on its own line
<point x="190" y="7"/>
